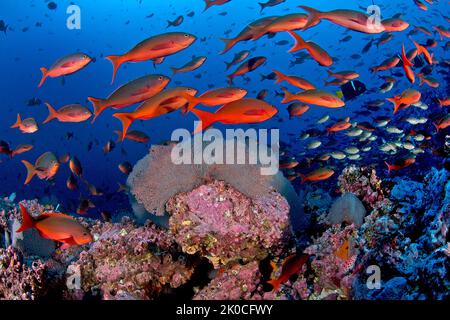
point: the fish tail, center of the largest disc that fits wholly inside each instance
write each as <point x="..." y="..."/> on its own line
<point x="228" y="64"/>
<point x="192" y="102"/>
<point x="208" y="4"/>
<point x="299" y="42"/>
<point x="314" y="16"/>
<point x="174" y="71"/>
<point x="116" y="62"/>
<point x="330" y="73"/>
<point x="127" y="119"/>
<point x="169" y="23"/>
<point x="262" y="5"/>
<point x="229" y="43"/>
<point x="27" y="220"/>
<point x="44" y="76"/>
<point x="390" y="167"/>
<point x="275" y="283"/>
<point x="119" y="135"/>
<point x="206" y="119"/>
<point x="31" y="171"/>
<point x="231" y="78"/>
<point x="395" y="102"/>
<point x="303" y="178"/>
<point x="280" y="76"/>
<point x="98" y="105"/>
<point x="436" y="126"/>
<point x="52" y="113"/>
<point x="405" y="59"/>
<point x="288" y="97"/>
<point x="18" y="122"/>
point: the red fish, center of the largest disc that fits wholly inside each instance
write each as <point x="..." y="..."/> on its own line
<point x="56" y="226"/>
<point x="291" y="266"/>
<point x="65" y="66"/>
<point x="407" y="66"/>
<point x="400" y="164"/>
<point x="318" y="54"/>
<point x="210" y="3"/>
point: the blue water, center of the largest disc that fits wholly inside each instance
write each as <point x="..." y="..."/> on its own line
<point x="115" y="26"/>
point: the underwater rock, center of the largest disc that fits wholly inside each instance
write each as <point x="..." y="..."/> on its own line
<point x="155" y="179"/>
<point x="18" y="280"/>
<point x="347" y="208"/>
<point x="394" y="289"/>
<point x="129" y="262"/>
<point x="225" y="225"/>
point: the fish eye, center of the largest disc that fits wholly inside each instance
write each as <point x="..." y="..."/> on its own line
<point x="186" y="35"/>
<point x="160" y="78"/>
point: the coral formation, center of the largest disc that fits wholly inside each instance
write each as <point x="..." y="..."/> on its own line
<point x="347" y="208"/>
<point x="224" y="225"/>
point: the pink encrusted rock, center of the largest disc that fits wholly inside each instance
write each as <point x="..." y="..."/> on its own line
<point x="240" y="282"/>
<point x="222" y="224"/>
<point x="130" y="262"/>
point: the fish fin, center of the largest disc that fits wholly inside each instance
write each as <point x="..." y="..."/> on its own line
<point x="119" y="134"/>
<point x="127" y="119"/>
<point x="18" y="122"/>
<point x="192" y="102"/>
<point x="169" y="23"/>
<point x="396" y="104"/>
<point x="206" y="119"/>
<point x="52" y="113"/>
<point x="27" y="220"/>
<point x="229" y="43"/>
<point x="288" y="97"/>
<point x="405" y="59"/>
<point x="208" y="4"/>
<point x="174" y="71"/>
<point x="299" y="42"/>
<point x="31" y="171"/>
<point x="228" y="64"/>
<point x="314" y="16"/>
<point x="275" y="283"/>
<point x="436" y="126"/>
<point x="116" y="62"/>
<point x="280" y="76"/>
<point x="262" y="5"/>
<point x="303" y="178"/>
<point x="98" y="105"/>
<point x="44" y="76"/>
<point x="388" y="166"/>
<point x="330" y="73"/>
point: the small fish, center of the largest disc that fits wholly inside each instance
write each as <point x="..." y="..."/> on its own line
<point x="317" y="175"/>
<point x="70" y="113"/>
<point x="175" y="23"/>
<point x="65" y="66"/>
<point x="192" y="65"/>
<point x="22" y="148"/>
<point x="125" y="167"/>
<point x="291" y="266"/>
<point x="28" y="125"/>
<point x="75" y="166"/>
<point x="45" y="167"/>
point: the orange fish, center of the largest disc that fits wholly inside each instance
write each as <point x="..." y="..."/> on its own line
<point x="65" y="66"/>
<point x="130" y="93"/>
<point x="290" y="22"/>
<point x="420" y="5"/>
<point x="349" y="19"/>
<point x="291" y="266"/>
<point x="430" y="81"/>
<point x="386" y="64"/>
<point x="28" y="125"/>
<point x="84" y="206"/>
<point x="343" y="75"/>
<point x="125" y="167"/>
<point x="248" y="33"/>
<point x="295" y="81"/>
<point x="316" y="52"/>
<point x="71" y="182"/>
<point x="400" y="164"/>
<point x="22" y="148"/>
<point x="394" y="25"/>
<point x="164" y="102"/>
<point x="445" y="102"/>
<point x="404" y="100"/>
<point x="297" y="109"/>
<point x="242" y="111"/>
<point x="443" y="123"/>
<point x="215" y="97"/>
<point x="424" y="51"/>
<point x="443" y="32"/>
<point x="247" y="66"/>
<point x="317" y="175"/>
<point x="344" y="251"/>
<point x="210" y="3"/>
<point x="339" y="126"/>
<point x="46" y="167"/>
<point x="56" y="226"/>
<point x="407" y="64"/>
<point x="75" y="166"/>
<point x="134" y="135"/>
<point x="315" y="97"/>
<point x="153" y="48"/>
<point x="192" y="65"/>
<point x="69" y="113"/>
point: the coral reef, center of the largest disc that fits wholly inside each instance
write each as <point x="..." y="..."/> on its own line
<point x="224" y="225"/>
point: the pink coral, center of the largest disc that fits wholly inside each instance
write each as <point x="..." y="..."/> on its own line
<point x="18" y="280"/>
<point x="129" y="262"/>
<point x="364" y="183"/>
<point x="224" y="225"/>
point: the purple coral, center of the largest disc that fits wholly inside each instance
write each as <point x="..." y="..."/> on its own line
<point x="224" y="225"/>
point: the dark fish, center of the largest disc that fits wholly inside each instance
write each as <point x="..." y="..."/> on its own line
<point x="3" y="26"/>
<point x="270" y="76"/>
<point x="175" y="23"/>
<point x="52" y="5"/>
